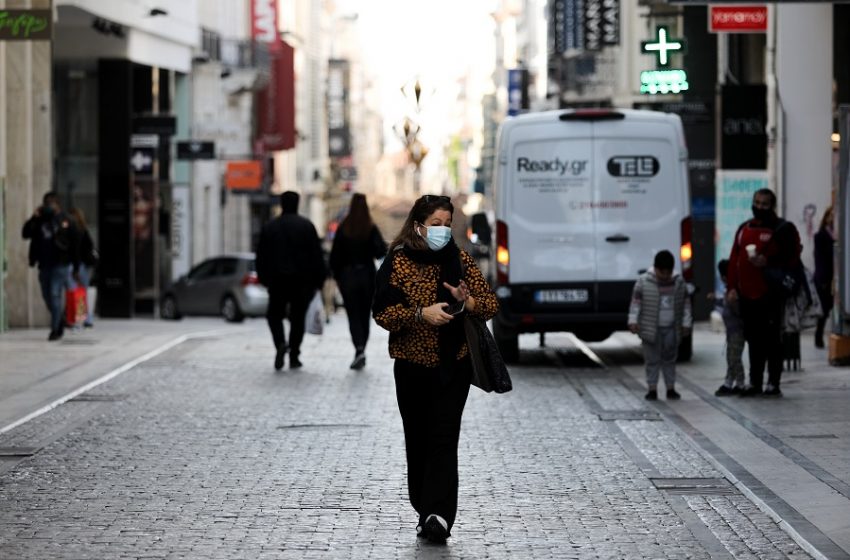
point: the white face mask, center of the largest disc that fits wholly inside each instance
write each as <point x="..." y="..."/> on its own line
<point x="437" y="236"/>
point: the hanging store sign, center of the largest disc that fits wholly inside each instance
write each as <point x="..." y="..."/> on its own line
<point x="601" y="24"/>
<point x="264" y="23"/>
<point x="276" y="102"/>
<point x="737" y="19"/>
<point x="26" y="25"/>
<point x="517" y="91"/>
<point x="339" y="137"/>
<point x="743" y="126"/>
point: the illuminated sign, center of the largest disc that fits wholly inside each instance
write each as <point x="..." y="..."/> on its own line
<point x="654" y="82"/>
<point x="25" y="25"/>
<point x="663" y="46"/>
<point x="737" y="19"/>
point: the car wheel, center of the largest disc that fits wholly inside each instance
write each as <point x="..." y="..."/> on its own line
<point x="230" y="310"/>
<point x="168" y="309"/>
<point x="507" y="340"/>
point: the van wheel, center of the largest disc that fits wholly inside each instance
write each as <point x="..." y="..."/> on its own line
<point x="507" y="340"/>
<point x="686" y="349"/>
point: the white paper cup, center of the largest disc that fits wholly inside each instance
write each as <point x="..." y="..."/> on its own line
<point x="751" y="250"/>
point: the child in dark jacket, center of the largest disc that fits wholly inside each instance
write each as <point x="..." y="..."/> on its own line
<point x="660" y="313"/>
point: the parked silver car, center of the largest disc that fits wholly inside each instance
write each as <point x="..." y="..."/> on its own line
<point x="226" y="286"/>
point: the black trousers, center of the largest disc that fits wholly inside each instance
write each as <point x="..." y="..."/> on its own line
<point x="825" y="296"/>
<point x="763" y="330"/>
<point x="297" y="299"/>
<point x="357" y="285"/>
<point x="431" y="407"/>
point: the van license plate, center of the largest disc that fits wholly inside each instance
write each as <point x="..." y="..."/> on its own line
<point x="561" y="296"/>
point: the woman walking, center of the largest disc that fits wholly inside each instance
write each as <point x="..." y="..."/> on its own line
<point x="88" y="260"/>
<point x="357" y="244"/>
<point x="824" y="243"/>
<point x="423" y="288"/>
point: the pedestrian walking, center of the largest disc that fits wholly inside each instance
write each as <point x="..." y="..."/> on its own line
<point x="88" y="260"/>
<point x="357" y="244"/>
<point x="291" y="265"/>
<point x="54" y="247"/>
<point x="423" y="287"/>
<point x="660" y="314"/>
<point x="824" y="270"/>
<point x="763" y="269"/>
<point x="735" y="341"/>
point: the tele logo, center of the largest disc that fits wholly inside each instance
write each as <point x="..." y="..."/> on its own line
<point x="633" y="166"/>
<point x="575" y="167"/>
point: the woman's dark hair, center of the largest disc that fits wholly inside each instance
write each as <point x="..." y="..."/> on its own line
<point x="828" y="212"/>
<point x="423" y="207"/>
<point x="358" y="223"/>
<point x="79" y="218"/>
<point x="664" y="260"/>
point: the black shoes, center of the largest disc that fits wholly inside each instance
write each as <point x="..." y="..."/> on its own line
<point x="359" y="361"/>
<point x="819" y="342"/>
<point x="294" y="362"/>
<point x="771" y="391"/>
<point x="672" y="395"/>
<point x="750" y="392"/>
<point x="278" y="357"/>
<point x="436" y="530"/>
<point x="725" y="391"/>
<point x="651" y="395"/>
<point x="54" y="335"/>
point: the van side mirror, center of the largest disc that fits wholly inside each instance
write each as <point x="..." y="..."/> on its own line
<point x="480" y="226"/>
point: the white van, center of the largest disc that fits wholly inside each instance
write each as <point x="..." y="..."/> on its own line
<point x="583" y="201"/>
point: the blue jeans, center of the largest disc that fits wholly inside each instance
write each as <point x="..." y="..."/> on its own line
<point x="54" y="281"/>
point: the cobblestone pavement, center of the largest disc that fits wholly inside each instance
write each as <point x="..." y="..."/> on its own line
<point x="206" y="452"/>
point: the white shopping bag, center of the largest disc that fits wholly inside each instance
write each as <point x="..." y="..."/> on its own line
<point x="314" y="323"/>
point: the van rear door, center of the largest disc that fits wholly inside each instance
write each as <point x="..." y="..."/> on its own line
<point x="548" y="185"/>
<point x="640" y="195"/>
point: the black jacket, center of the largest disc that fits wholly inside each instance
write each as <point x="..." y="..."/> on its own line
<point x="347" y="251"/>
<point x="54" y="241"/>
<point x="289" y="254"/>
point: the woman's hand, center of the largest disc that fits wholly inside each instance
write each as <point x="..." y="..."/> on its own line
<point x="436" y="315"/>
<point x="460" y="293"/>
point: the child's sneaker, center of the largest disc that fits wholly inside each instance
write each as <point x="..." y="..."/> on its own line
<point x="651" y="395"/>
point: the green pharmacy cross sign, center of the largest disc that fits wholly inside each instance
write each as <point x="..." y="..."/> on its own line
<point x="663" y="46"/>
<point x="26" y="25"/>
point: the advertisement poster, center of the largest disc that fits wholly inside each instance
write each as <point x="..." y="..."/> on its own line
<point x="733" y="205"/>
<point x="181" y="231"/>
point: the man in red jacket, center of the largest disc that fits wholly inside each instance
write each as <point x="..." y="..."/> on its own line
<point x="765" y="245"/>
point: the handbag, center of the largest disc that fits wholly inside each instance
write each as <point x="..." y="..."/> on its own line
<point x="489" y="372"/>
<point x="75" y="306"/>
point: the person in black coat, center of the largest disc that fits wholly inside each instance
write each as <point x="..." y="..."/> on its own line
<point x="357" y="244"/>
<point x="54" y="247"/>
<point x="824" y="270"/>
<point x="291" y="265"/>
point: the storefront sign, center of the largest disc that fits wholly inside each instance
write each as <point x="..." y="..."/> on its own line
<point x="244" y="175"/>
<point x="26" y="25"/>
<point x="743" y="125"/>
<point x="195" y="149"/>
<point x="517" y="91"/>
<point x="655" y="82"/>
<point x="737" y="19"/>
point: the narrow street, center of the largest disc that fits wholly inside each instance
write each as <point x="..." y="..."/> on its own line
<point x="204" y="451"/>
